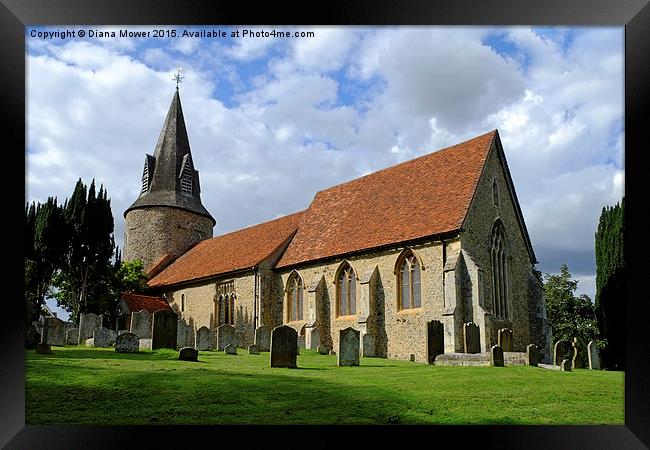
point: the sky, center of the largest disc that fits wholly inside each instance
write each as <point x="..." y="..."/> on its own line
<point x="272" y="119"/>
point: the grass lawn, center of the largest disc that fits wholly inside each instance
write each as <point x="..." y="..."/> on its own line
<point x="80" y="385"/>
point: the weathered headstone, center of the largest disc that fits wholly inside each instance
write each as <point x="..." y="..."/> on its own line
<point x="127" y="343"/>
<point x="301" y="341"/>
<point x="566" y="365"/>
<point x="253" y="350"/>
<point x="182" y="334"/>
<point x="435" y="340"/>
<point x="263" y="338"/>
<point x="72" y="336"/>
<point x="348" y="354"/>
<point x="141" y="324"/>
<point x="164" y="330"/>
<point x="103" y="338"/>
<point x="225" y="336"/>
<point x="496" y="356"/>
<point x="368" y="345"/>
<point x="558" y="353"/>
<point x="88" y="324"/>
<point x="592" y="354"/>
<point x="532" y="355"/>
<point x="472" y="338"/>
<point x="312" y="338"/>
<point x="43" y="348"/>
<point x="505" y="340"/>
<point x="203" y="339"/>
<point x="323" y="349"/>
<point x="188" y="354"/>
<point x="284" y="347"/>
<point x="575" y="360"/>
<point x="55" y="331"/>
<point x="32" y="336"/>
<point x="145" y="344"/>
<point x="230" y="349"/>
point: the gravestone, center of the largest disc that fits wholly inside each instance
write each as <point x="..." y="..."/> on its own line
<point x="472" y="338"/>
<point x="301" y="341"/>
<point x="164" y="330"/>
<point x="332" y="352"/>
<point x="558" y="353"/>
<point x="312" y="338"/>
<point x="188" y="354"/>
<point x="231" y="349"/>
<point x="43" y="348"/>
<point x="88" y="324"/>
<point x="141" y="324"/>
<point x="225" y="336"/>
<point x="592" y="354"/>
<point x="496" y="356"/>
<point x="284" y="347"/>
<point x="253" y="350"/>
<point x="323" y="349"/>
<point x="505" y="340"/>
<point x="72" y="336"/>
<point x="182" y="334"/>
<point x="145" y="344"/>
<point x="368" y="345"/>
<point x="435" y="340"/>
<point x="127" y="343"/>
<point x="203" y="339"/>
<point x="532" y="355"/>
<point x="263" y="338"/>
<point x="32" y="337"/>
<point x="103" y="338"/>
<point x="55" y="331"/>
<point x="575" y="360"/>
<point x="348" y="354"/>
<point x="566" y="365"/>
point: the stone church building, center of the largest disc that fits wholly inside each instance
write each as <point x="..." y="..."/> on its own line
<point x="440" y="237"/>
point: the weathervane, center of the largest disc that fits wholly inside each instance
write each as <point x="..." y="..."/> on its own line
<point x="177" y="76"/>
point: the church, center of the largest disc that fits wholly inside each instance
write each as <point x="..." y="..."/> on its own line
<point x="438" y="238"/>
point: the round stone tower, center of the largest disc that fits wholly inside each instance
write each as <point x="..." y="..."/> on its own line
<point x="168" y="216"/>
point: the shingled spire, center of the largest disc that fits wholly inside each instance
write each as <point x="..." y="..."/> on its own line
<point x="169" y="177"/>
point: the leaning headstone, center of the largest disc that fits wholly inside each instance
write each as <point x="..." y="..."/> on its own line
<point x="127" y="343"/>
<point x="532" y="355"/>
<point x="323" y="349"/>
<point x="368" y="345"/>
<point x="43" y="348"/>
<point x="435" y="340"/>
<point x="284" y="347"/>
<point x="348" y="354"/>
<point x="263" y="338"/>
<point x="225" y="336"/>
<point x="203" y="339"/>
<point x="496" y="356"/>
<point x="566" y="365"/>
<point x="505" y="340"/>
<point x="182" y="334"/>
<point x="145" y="344"/>
<point x="558" y="354"/>
<point x="102" y="338"/>
<point x="164" y="330"/>
<point x="592" y="354"/>
<point x="141" y="324"/>
<point x="55" y="331"/>
<point x="72" y="336"/>
<point x="231" y="349"/>
<point x="88" y="324"/>
<point x="312" y="338"/>
<point x="253" y="350"/>
<point x="472" y="338"/>
<point x="575" y="360"/>
<point x="188" y="354"/>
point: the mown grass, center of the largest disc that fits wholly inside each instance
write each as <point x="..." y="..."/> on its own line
<point x="79" y="385"/>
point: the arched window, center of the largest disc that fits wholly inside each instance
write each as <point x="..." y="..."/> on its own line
<point x="346" y="292"/>
<point x="294" y="297"/>
<point x="500" y="275"/>
<point x="409" y="281"/>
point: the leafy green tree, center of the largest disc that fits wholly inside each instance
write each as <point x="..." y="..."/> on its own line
<point x="610" y="284"/>
<point x="570" y="316"/>
<point x="131" y="277"/>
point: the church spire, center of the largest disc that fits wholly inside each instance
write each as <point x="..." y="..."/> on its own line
<point x="169" y="177"/>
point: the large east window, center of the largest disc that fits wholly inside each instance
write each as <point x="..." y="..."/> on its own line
<point x="500" y="275"/>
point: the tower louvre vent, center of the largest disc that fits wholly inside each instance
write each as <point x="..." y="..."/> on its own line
<point x="145" y="179"/>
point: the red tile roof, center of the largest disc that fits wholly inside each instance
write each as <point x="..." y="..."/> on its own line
<point x="242" y="249"/>
<point x="422" y="197"/>
<point x="137" y="302"/>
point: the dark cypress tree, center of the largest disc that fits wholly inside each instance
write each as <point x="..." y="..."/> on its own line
<point x="610" y="284"/>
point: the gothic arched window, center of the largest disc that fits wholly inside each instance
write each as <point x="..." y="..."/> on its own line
<point x="294" y="297"/>
<point x="409" y="275"/>
<point x="500" y="274"/>
<point x="346" y="292"/>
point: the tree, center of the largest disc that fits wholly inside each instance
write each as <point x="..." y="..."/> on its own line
<point x="610" y="284"/>
<point x="570" y="316"/>
<point x="131" y="277"/>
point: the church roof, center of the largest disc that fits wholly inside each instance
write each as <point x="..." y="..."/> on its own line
<point x="138" y="302"/>
<point x="172" y="159"/>
<point x="425" y="196"/>
<point x="239" y="250"/>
